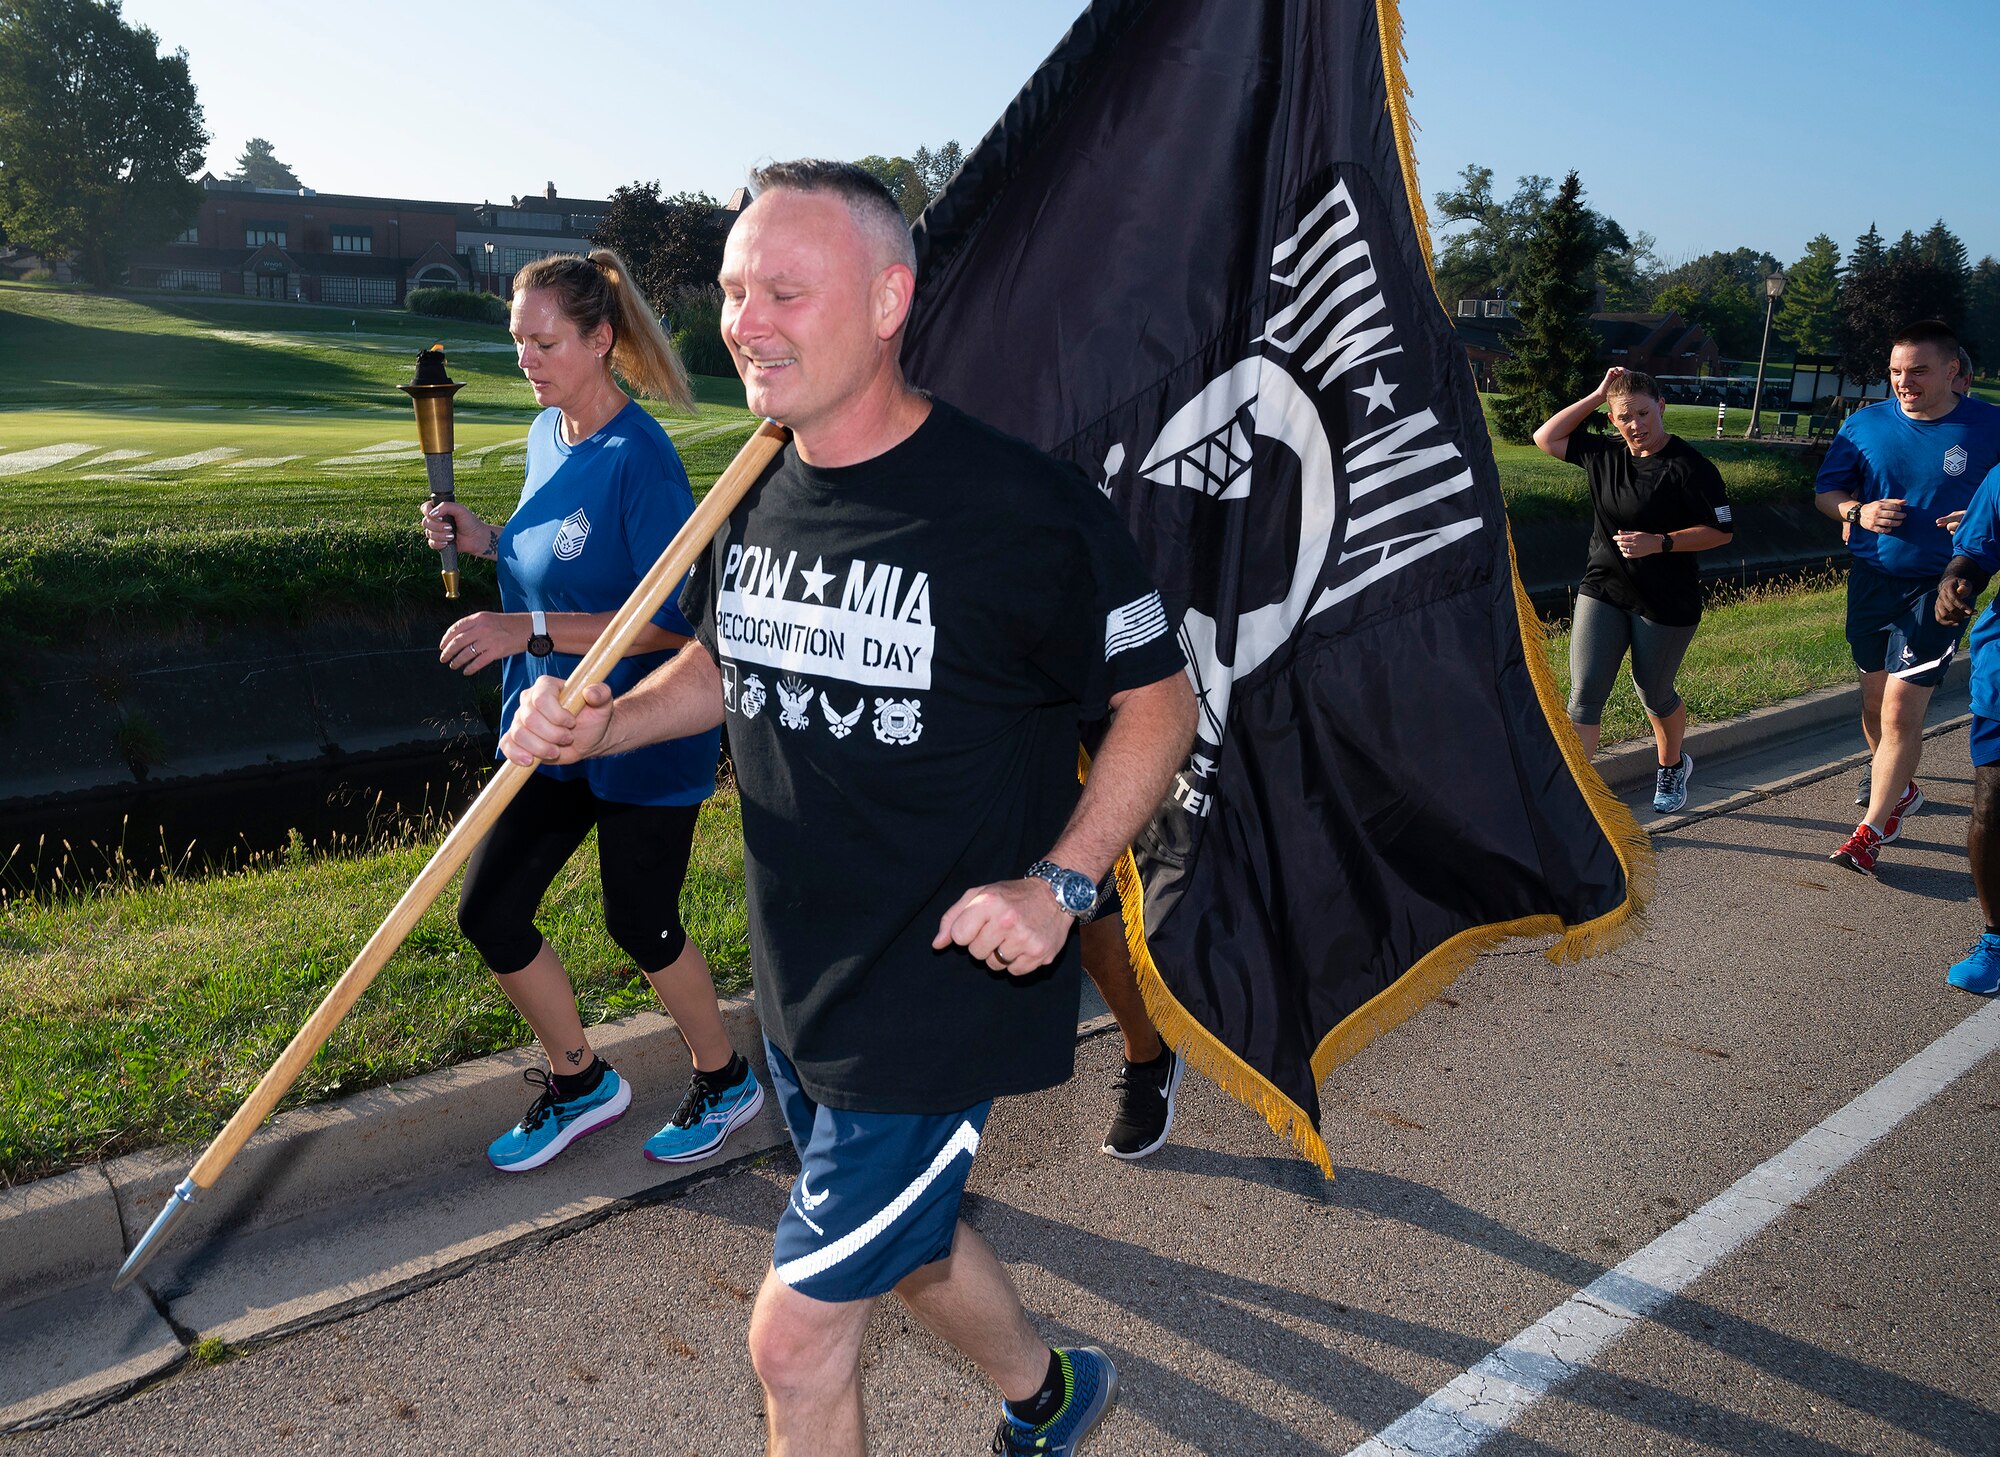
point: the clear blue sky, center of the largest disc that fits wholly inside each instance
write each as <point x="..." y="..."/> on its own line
<point x="1708" y="126"/>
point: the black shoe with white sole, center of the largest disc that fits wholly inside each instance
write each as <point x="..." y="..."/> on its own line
<point x="1146" y="1093"/>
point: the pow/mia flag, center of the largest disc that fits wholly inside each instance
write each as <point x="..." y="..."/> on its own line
<point x="1189" y="260"/>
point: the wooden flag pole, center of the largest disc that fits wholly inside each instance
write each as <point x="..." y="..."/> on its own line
<point x="604" y="655"/>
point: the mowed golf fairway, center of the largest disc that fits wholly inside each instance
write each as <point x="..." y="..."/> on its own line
<point x="128" y="412"/>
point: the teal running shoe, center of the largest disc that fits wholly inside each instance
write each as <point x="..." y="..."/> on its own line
<point x="1093" y="1385"/>
<point x="711" y="1111"/>
<point x="552" y="1123"/>
<point x="1980" y="971"/>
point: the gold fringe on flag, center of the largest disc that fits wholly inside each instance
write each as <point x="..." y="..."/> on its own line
<point x="1443" y="964"/>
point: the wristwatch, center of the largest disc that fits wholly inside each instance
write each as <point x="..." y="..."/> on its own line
<point x="540" y="644"/>
<point x="1075" y="892"/>
<point x="1666" y="541"/>
<point x="1853" y="514"/>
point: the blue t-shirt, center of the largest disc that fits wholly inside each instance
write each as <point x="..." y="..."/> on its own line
<point x="593" y="519"/>
<point x="1979" y="538"/>
<point x="1933" y="465"/>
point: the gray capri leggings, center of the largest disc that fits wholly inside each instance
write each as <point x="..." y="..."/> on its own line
<point x="1599" y="635"/>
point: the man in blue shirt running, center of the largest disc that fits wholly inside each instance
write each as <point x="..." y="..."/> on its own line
<point x="1900" y="476"/>
<point x="1977" y="548"/>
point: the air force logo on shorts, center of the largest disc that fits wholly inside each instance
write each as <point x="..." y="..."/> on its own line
<point x="575" y="532"/>
<point x="1954" y="461"/>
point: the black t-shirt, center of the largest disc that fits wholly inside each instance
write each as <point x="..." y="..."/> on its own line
<point x="907" y="646"/>
<point x="1676" y="488"/>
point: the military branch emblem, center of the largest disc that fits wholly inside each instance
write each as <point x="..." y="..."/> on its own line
<point x="751" y="702"/>
<point x="898" y="720"/>
<point x="575" y="532"/>
<point x="794" y="697"/>
<point x="841" y="724"/>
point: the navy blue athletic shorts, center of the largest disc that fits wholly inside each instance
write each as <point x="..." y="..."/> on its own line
<point x="1892" y="626"/>
<point x="1985" y="741"/>
<point x="877" y="1194"/>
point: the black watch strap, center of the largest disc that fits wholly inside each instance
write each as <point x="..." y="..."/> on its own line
<point x="1853" y="513"/>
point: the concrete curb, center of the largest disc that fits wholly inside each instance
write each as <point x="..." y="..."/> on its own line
<point x="76" y="1227"/>
<point x="1629" y="765"/>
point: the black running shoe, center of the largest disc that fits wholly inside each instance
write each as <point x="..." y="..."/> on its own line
<point x="1146" y="1092"/>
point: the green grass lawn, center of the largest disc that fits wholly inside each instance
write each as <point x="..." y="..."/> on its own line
<point x="1753" y="649"/>
<point x="143" y="1014"/>
<point x="1539" y="487"/>
<point x="158" y="454"/>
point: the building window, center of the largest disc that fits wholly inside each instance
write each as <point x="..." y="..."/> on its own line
<point x="190" y="234"/>
<point x="333" y="290"/>
<point x="513" y="260"/>
<point x="256" y="234"/>
<point x="347" y="239"/>
<point x="190" y="280"/>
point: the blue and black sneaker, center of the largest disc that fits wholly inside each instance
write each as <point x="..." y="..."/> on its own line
<point x="717" y="1104"/>
<point x="553" y="1122"/>
<point x="1090" y="1384"/>
<point x="1980" y="971"/>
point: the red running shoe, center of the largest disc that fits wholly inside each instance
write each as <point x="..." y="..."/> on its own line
<point x="1857" y="851"/>
<point x="1909" y="804"/>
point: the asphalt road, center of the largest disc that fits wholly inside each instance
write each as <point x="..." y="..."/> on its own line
<point x="1502" y="1150"/>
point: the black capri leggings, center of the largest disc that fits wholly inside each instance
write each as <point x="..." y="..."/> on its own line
<point x="1599" y="637"/>
<point x="642" y="858"/>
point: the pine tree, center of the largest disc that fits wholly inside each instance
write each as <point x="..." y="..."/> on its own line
<point x="1981" y="328"/>
<point x="259" y="166"/>
<point x="1868" y="252"/>
<point x="1809" y="312"/>
<point x="1941" y="246"/>
<point x="1555" y="352"/>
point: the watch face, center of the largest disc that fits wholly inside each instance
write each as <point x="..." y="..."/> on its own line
<point x="1077" y="892"/>
<point x="541" y="645"/>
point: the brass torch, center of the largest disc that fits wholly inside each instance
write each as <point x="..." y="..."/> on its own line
<point x="430" y="391"/>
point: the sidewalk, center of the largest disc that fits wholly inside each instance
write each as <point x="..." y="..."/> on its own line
<point x="298" y="1234"/>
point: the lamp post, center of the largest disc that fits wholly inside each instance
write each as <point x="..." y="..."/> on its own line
<point x="1773" y="287"/>
<point x="489" y="270"/>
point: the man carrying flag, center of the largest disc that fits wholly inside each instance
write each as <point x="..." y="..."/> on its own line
<point x="903" y="624"/>
<point x="1191" y="260"/>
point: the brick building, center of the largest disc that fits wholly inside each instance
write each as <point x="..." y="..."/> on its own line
<point x="307" y="246"/>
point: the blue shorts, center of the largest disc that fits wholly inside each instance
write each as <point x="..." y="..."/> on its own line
<point x="1892" y="626"/>
<point x="1985" y="742"/>
<point x="877" y="1194"/>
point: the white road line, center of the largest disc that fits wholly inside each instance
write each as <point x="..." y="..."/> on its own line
<point x="20" y="462"/>
<point x="1483" y="1402"/>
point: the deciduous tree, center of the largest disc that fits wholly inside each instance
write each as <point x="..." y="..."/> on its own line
<point x="672" y="244"/>
<point x="903" y="179"/>
<point x="934" y="169"/>
<point x="1877" y="302"/>
<point x="98" y="134"/>
<point x="1483" y="242"/>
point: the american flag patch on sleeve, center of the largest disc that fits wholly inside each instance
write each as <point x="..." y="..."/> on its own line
<point x="1134" y="624"/>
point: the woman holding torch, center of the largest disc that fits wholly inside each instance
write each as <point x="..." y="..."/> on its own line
<point x="605" y="493"/>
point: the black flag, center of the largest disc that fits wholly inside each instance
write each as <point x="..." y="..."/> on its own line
<point x="1190" y="259"/>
